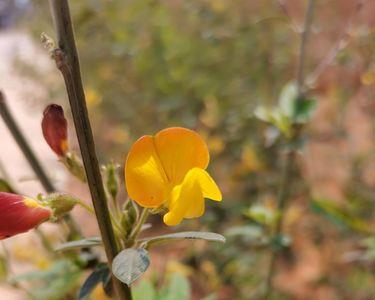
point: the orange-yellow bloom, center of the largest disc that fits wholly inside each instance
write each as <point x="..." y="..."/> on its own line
<point x="168" y="170"/>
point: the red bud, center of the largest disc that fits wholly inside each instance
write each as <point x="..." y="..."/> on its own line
<point x="55" y="129"/>
<point x="19" y="214"/>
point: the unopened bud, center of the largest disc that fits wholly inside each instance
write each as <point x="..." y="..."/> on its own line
<point x="55" y="129"/>
<point x="112" y="181"/>
<point x="19" y="214"/>
<point x="60" y="203"/>
<point x="129" y="217"/>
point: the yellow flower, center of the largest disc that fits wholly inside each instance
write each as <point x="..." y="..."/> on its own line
<point x="168" y="170"/>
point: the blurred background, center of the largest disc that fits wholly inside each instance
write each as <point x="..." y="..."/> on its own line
<point x="206" y="65"/>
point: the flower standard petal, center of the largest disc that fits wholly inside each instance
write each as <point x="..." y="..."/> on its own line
<point x="180" y="150"/>
<point x="19" y="214"/>
<point x="145" y="179"/>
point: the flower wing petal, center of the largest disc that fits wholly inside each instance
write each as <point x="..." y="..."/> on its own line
<point x="180" y="150"/>
<point x="144" y="175"/>
<point x="187" y="199"/>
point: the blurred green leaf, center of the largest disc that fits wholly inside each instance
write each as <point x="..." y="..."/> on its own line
<point x="339" y="216"/>
<point x="130" y="264"/>
<point x="54" y="283"/>
<point x="261" y="214"/>
<point x="281" y="241"/>
<point x="177" y="289"/>
<point x="145" y="290"/>
<point x="252" y="234"/>
<point x="288" y="99"/>
<point x="85" y="243"/>
<point x="101" y="274"/>
<point x="305" y="109"/>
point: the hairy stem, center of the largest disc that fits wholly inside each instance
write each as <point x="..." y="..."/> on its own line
<point x="66" y="57"/>
<point x="142" y="219"/>
<point x="287" y="172"/>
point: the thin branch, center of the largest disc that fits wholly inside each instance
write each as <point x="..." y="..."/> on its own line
<point x="24" y="145"/>
<point x="66" y="57"/>
<point x="284" y="9"/>
<point x="302" y="50"/>
<point x="287" y="172"/>
<point x="341" y="44"/>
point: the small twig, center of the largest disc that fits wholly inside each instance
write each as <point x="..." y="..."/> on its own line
<point x="286" y="176"/>
<point x="24" y="146"/>
<point x="284" y="9"/>
<point x="67" y="61"/>
<point x="302" y="50"/>
<point x="341" y="44"/>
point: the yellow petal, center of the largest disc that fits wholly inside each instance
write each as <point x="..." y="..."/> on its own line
<point x="187" y="199"/>
<point x="180" y="150"/>
<point x="209" y="188"/>
<point x="145" y="179"/>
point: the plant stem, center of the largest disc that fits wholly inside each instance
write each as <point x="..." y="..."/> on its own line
<point x="287" y="172"/>
<point x="67" y="61"/>
<point x="31" y="158"/>
<point x="138" y="227"/>
<point x="302" y="49"/>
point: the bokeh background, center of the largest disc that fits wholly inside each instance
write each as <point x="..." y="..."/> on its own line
<point x="206" y="65"/>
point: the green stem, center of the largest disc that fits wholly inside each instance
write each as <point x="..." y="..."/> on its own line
<point x="137" y="229"/>
<point x="287" y="173"/>
<point x="86" y="206"/>
<point x="67" y="61"/>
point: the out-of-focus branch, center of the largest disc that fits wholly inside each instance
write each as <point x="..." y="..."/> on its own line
<point x="23" y="145"/>
<point x="67" y="61"/>
<point x="302" y="49"/>
<point x="284" y="9"/>
<point x="31" y="158"/>
<point x="341" y="44"/>
<point x="287" y="173"/>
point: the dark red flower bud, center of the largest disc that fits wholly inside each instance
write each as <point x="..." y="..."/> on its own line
<point x="55" y="129"/>
<point x="19" y="214"/>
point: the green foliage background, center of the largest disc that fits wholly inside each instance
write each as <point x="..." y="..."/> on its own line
<point x="207" y="64"/>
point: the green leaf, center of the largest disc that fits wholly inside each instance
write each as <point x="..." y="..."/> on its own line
<point x="262" y="214"/>
<point x="177" y="289"/>
<point x="288" y="99"/>
<point x="280" y="242"/>
<point x="252" y="234"/>
<point x="339" y="216"/>
<point x="99" y="275"/>
<point x="130" y="264"/>
<point x="187" y="235"/>
<point x="304" y="110"/>
<point x="55" y="282"/>
<point x="145" y="290"/>
<point x="85" y="243"/>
